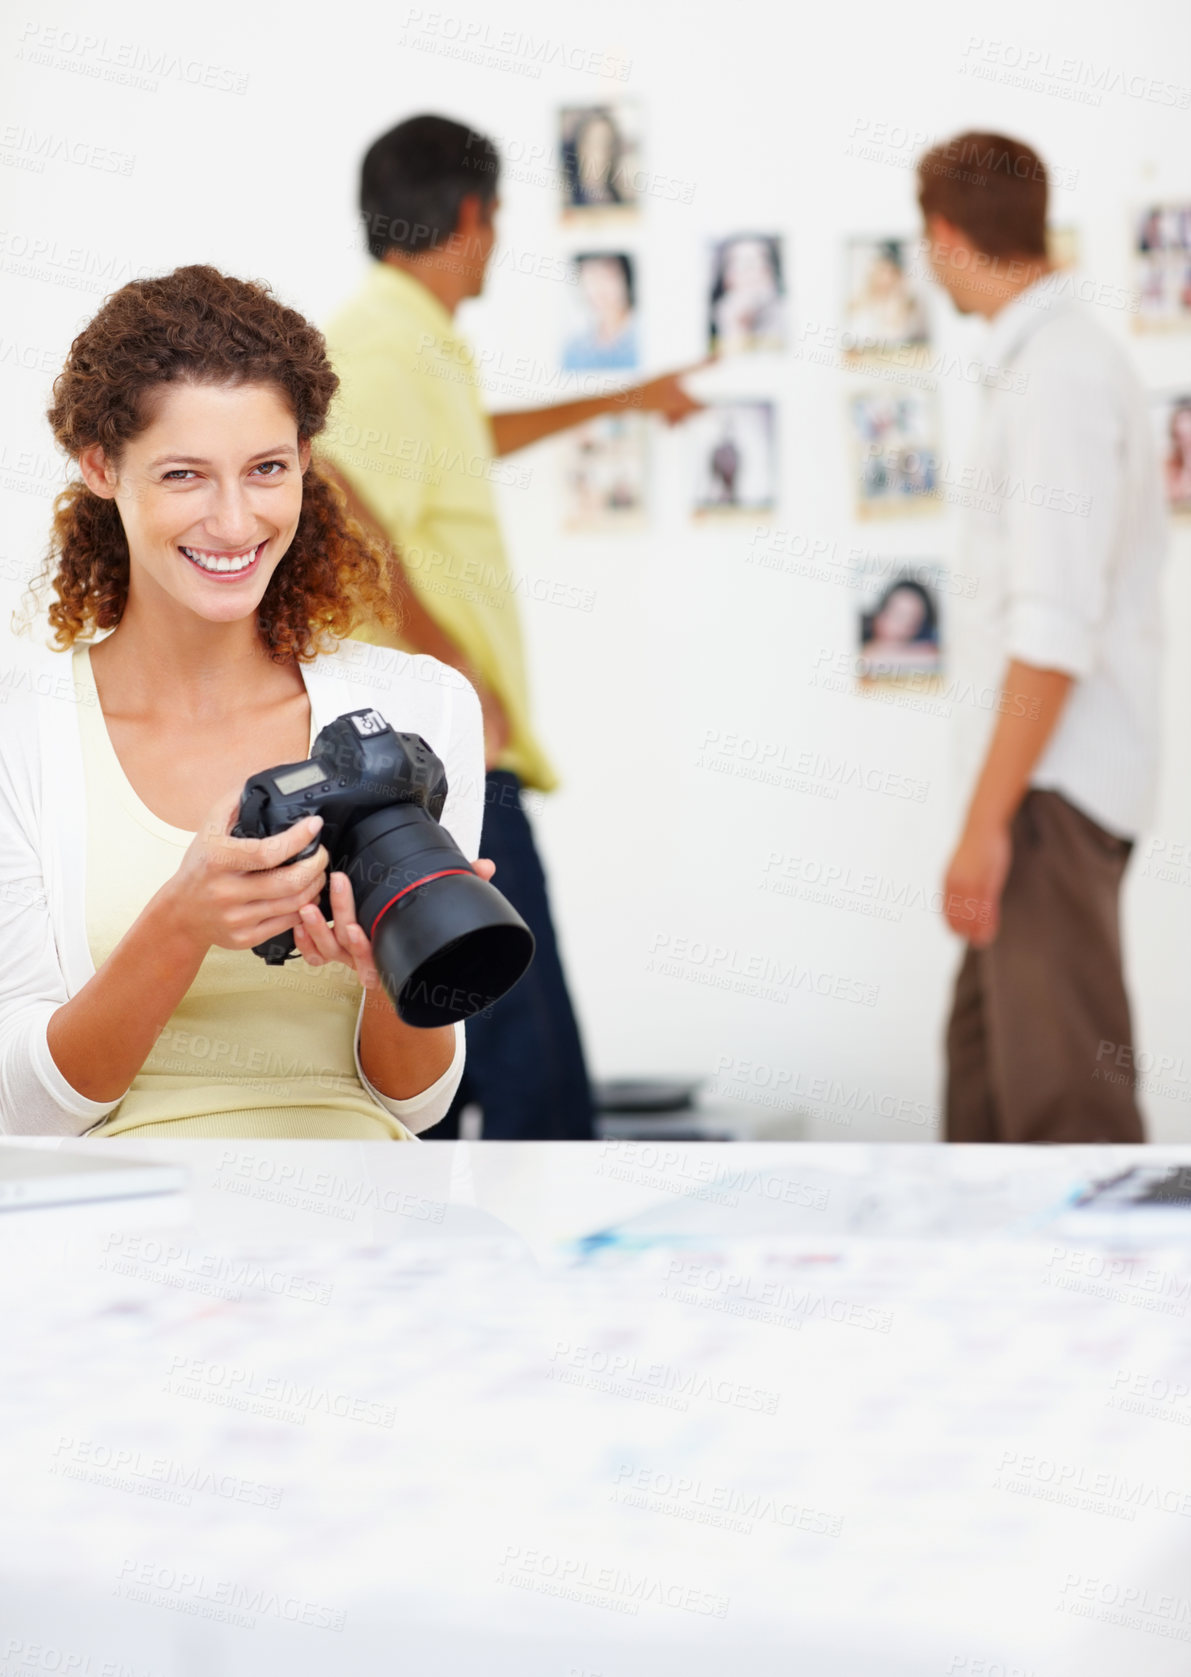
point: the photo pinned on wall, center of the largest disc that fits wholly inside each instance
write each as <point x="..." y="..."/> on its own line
<point x="600" y="159"/>
<point x="895" y="452"/>
<point x="1172" y="419"/>
<point x="1162" y="257"/>
<point x="899" y="629"/>
<point x="885" y="304"/>
<point x="734" y="448"/>
<point x="606" y="473"/>
<point x="747" y="298"/>
<point x="601" y="330"/>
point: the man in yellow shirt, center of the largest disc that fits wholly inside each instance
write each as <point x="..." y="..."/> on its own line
<point x="417" y="453"/>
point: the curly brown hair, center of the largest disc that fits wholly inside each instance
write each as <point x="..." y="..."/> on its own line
<point x="199" y="326"/>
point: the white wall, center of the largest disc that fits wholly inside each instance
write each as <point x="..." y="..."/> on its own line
<point x="762" y="110"/>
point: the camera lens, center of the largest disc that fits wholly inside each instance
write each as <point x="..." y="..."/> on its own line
<point x="445" y="942"/>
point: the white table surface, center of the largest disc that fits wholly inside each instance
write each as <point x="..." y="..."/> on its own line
<point x="839" y="1410"/>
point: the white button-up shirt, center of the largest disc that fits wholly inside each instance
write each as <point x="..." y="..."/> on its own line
<point x="1064" y="541"/>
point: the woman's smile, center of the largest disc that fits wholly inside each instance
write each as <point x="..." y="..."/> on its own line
<point x="224" y="566"/>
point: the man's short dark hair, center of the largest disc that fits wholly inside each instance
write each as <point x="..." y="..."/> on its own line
<point x="414" y="179"/>
<point x="990" y="187"/>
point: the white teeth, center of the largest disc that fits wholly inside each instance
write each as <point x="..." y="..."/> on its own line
<point x="220" y="561"/>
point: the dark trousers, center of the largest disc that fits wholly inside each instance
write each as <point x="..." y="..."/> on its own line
<point x="525" y="1066"/>
<point x="1040" y="1044"/>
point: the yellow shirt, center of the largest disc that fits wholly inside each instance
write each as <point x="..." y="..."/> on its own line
<point x="410" y="433"/>
<point x="251" y="1051"/>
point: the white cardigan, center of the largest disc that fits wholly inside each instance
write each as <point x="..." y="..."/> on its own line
<point x="44" y="955"/>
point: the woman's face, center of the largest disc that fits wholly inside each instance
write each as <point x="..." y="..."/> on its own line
<point x="604" y="290"/>
<point x="884" y="277"/>
<point x="595" y="146"/>
<point x="901" y="618"/>
<point x="747" y="267"/>
<point x="209" y="494"/>
<point x="1180" y="431"/>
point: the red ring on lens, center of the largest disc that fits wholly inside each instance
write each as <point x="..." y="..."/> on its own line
<point x="445" y="874"/>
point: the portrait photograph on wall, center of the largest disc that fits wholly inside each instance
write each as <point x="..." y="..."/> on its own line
<point x="1172" y="426"/>
<point x="605" y="473"/>
<point x="733" y="448"/>
<point x="894" y="439"/>
<point x="601" y="327"/>
<point x="1162" y="261"/>
<point x="600" y="160"/>
<point x="899" y="638"/>
<point x="747" y="301"/>
<point x="884" y="306"/>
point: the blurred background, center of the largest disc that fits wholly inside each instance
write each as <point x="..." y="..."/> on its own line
<point x="747" y="848"/>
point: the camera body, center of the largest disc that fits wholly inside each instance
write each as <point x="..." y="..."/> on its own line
<point x="360" y="765"/>
<point x="446" y="943"/>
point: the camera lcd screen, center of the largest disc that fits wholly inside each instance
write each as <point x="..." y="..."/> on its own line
<point x="297" y="780"/>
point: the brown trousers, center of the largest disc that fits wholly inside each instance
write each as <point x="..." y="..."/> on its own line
<point x="1039" y="1045"/>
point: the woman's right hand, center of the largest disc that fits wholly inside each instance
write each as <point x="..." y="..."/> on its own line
<point x="234" y="893"/>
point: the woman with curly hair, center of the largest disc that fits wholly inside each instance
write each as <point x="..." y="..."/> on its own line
<point x="205" y="578"/>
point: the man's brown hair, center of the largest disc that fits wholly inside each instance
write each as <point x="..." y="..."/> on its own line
<point x="990" y="187"/>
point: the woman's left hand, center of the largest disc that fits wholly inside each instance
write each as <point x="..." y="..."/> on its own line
<point x="343" y="939"/>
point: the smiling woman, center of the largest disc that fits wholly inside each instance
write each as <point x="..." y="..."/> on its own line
<point x="204" y="581"/>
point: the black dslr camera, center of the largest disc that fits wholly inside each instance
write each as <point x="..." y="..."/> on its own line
<point x="445" y="942"/>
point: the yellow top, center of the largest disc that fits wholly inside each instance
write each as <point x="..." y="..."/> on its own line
<point x="410" y="433"/>
<point x="251" y="1051"/>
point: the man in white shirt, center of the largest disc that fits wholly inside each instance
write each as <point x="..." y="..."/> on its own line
<point x="1057" y="662"/>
